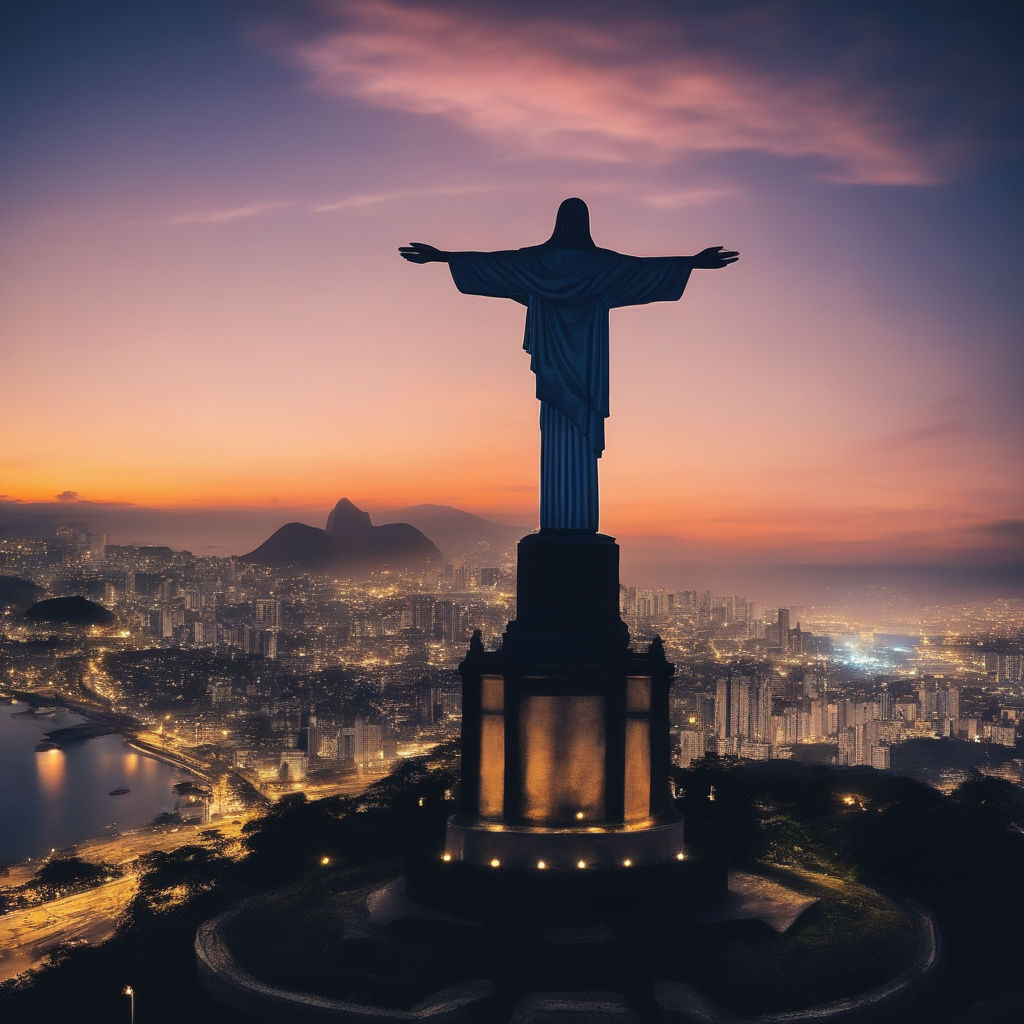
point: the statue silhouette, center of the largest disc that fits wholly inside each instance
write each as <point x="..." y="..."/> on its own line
<point x="568" y="284"/>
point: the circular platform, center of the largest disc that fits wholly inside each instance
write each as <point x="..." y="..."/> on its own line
<point x="563" y="849"/>
<point x="803" y="948"/>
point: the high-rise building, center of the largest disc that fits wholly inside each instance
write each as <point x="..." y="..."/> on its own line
<point x="947" y="701"/>
<point x="362" y="742"/>
<point x="293" y="765"/>
<point x="692" y="746"/>
<point x="268" y="614"/>
<point x="743" y="707"/>
<point x="926" y="695"/>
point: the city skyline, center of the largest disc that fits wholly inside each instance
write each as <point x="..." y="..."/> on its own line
<point x="205" y="308"/>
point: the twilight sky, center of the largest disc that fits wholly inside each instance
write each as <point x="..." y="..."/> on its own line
<point x="202" y="303"/>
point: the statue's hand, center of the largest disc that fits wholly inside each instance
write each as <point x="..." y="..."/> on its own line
<point x="714" y="258"/>
<point x="420" y="252"/>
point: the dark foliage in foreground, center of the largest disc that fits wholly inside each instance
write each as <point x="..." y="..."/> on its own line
<point x="958" y="855"/>
<point x="153" y="948"/>
<point x="58" y="877"/>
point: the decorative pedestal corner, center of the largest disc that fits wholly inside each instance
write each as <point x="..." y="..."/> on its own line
<point x="565" y="755"/>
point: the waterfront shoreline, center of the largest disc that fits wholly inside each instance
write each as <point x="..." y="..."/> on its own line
<point x="68" y="733"/>
<point x="118" y="723"/>
<point x="165" y="757"/>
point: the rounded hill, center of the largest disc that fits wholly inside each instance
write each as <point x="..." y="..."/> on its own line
<point x="69" y="611"/>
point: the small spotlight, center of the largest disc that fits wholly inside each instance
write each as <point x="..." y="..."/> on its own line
<point x="325" y="861"/>
<point x="627" y="863"/>
<point x="446" y="858"/>
<point x="542" y="864"/>
<point x="495" y="863"/>
<point x="581" y="864"/>
<point x="579" y="815"/>
<point x="680" y="856"/>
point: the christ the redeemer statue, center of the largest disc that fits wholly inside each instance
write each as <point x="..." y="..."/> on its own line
<point x="568" y="285"/>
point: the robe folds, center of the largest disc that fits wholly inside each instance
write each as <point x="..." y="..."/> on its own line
<point x="568" y="293"/>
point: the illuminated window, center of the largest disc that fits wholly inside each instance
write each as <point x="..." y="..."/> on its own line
<point x="638" y="769"/>
<point x="492" y="693"/>
<point x="492" y="765"/>
<point x="638" y="693"/>
<point x="562" y="744"/>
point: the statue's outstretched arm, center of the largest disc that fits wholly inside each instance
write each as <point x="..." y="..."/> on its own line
<point x="714" y="258"/>
<point x="420" y="252"/>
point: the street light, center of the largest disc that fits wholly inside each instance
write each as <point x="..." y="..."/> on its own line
<point x="130" y="993"/>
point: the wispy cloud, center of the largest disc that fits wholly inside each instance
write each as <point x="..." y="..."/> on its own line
<point x="551" y="86"/>
<point x="676" y="199"/>
<point x="1005" y="530"/>
<point x="223" y="216"/>
<point x="899" y="440"/>
<point x="365" y="200"/>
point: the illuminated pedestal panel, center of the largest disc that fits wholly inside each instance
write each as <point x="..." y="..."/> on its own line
<point x="565" y="731"/>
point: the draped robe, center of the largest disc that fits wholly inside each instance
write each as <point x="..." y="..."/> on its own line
<point x="567" y="294"/>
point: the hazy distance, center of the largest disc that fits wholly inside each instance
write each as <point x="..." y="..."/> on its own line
<point x="670" y="562"/>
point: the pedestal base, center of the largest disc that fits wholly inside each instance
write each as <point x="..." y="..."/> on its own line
<point x="563" y="849"/>
<point x="567" y="594"/>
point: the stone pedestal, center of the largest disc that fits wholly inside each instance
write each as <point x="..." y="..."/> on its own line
<point x="565" y="731"/>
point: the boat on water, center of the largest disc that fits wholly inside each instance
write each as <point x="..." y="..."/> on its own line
<point x="120" y="791"/>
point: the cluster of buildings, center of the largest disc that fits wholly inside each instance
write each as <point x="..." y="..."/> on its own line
<point x="731" y="621"/>
<point x="765" y="710"/>
<point x="290" y="676"/>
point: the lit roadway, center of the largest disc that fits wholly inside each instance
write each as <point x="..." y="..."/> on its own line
<point x="26" y="935"/>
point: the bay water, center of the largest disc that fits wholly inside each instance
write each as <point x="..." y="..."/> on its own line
<point x="57" y="798"/>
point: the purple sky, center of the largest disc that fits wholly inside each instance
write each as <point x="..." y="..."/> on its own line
<point x="203" y="305"/>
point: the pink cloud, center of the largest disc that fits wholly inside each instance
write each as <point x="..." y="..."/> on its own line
<point x="549" y="86"/>
<point x="223" y="216"/>
<point x="677" y="199"/>
<point x="366" y="200"/>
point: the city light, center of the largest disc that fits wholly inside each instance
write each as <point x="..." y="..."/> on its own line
<point x="253" y="661"/>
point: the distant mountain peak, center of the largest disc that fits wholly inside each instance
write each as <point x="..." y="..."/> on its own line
<point x="459" y="533"/>
<point x="351" y="543"/>
<point x="346" y="520"/>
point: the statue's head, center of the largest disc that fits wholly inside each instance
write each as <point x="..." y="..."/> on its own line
<point x="572" y="227"/>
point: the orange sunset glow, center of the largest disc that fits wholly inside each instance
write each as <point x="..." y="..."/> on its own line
<point x="204" y="308"/>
